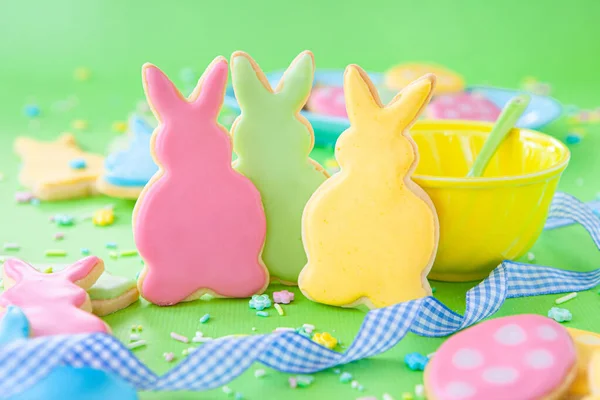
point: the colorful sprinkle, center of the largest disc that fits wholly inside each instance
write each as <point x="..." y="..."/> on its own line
<point x="354" y="384"/>
<point x="282" y="329"/>
<point x="279" y="309"/>
<point x="204" y="319"/>
<point x="84" y="251"/>
<point x="82" y="74"/>
<point x="59" y="236"/>
<point x="304" y="333"/>
<point x="530" y="257"/>
<point x="346" y="377"/>
<point x="560" y="314"/>
<point x="63" y="219"/>
<point x="48" y="270"/>
<point x="24" y="197"/>
<point x="55" y="253"/>
<point x="238" y="396"/>
<point x="78" y="163"/>
<point x="293" y="382"/>
<point x="260" y="302"/>
<point x="135" y="345"/>
<point x="387" y="396"/>
<point x="34" y="202"/>
<point x="420" y="390"/>
<point x="79" y="124"/>
<point x="103" y="217"/>
<point x="113" y="254"/>
<point x="259" y="373"/>
<point x="566" y="298"/>
<point x="12" y="246"/>
<point x="304" y="380"/>
<point x="262" y="313"/>
<point x="337" y="371"/>
<point x="111" y="245"/>
<point x="573" y="138"/>
<point x="128" y="253"/>
<point x="325" y="339"/>
<point x="140" y="328"/>
<point x="119" y="126"/>
<point x="32" y="110"/>
<point x="416" y="361"/>
<point x="134" y="336"/>
<point x="407" y="396"/>
<point x="179" y="337"/>
<point x="308" y="328"/>
<point x="226" y="390"/>
<point x="169" y="357"/>
<point x="283" y="297"/>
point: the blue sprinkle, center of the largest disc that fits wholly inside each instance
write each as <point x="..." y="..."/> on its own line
<point x="573" y="138"/>
<point x="262" y="313"/>
<point x="63" y="220"/>
<point x="560" y="314"/>
<point x="111" y="245"/>
<point x="416" y="361"/>
<point x="85" y="251"/>
<point x="204" y="318"/>
<point x="32" y="111"/>
<point x="34" y="202"/>
<point x="239" y="396"/>
<point x="345" y="377"/>
<point x="77" y="163"/>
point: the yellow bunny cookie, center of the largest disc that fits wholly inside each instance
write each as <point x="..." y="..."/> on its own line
<point x="370" y="233"/>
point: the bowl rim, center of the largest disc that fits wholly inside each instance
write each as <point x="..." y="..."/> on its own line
<point x="495" y="181"/>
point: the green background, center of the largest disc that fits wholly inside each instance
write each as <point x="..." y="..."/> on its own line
<point x="499" y="43"/>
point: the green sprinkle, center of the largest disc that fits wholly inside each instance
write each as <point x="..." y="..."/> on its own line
<point x="227" y="390"/>
<point x="128" y="253"/>
<point x="304" y="380"/>
<point x="113" y="254"/>
<point x="433" y="290"/>
<point x="262" y="313"/>
<point x="239" y="396"/>
<point x="85" y="251"/>
<point x="345" y="377"/>
<point x="48" y="270"/>
<point x="55" y="253"/>
<point x="111" y="245"/>
<point x="204" y="318"/>
<point x="407" y="396"/>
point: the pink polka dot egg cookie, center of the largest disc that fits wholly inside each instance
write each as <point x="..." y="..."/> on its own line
<point x="522" y="357"/>
<point x="466" y="105"/>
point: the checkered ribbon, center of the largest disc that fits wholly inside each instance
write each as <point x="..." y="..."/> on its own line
<point x="24" y="362"/>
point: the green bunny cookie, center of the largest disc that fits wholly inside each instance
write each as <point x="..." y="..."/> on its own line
<point x="273" y="142"/>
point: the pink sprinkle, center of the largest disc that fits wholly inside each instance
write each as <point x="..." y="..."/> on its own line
<point x="59" y="236"/>
<point x="179" y="337"/>
<point x="283" y="297"/>
<point x="24" y="197"/>
<point x="169" y="357"/>
<point x="293" y="382"/>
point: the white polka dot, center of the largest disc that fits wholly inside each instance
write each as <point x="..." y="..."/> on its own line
<point x="589" y="339"/>
<point x="546" y="332"/>
<point x="459" y="390"/>
<point x="539" y="359"/>
<point x="510" y="335"/>
<point x="500" y="375"/>
<point x="467" y="359"/>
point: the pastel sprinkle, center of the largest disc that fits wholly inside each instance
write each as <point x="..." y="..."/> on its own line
<point x="420" y="390"/>
<point x="59" y="236"/>
<point x="284" y="329"/>
<point x="119" y="126"/>
<point x="367" y="398"/>
<point x="48" y="270"/>
<point x="140" y="328"/>
<point x="63" y="220"/>
<point x="34" y="202"/>
<point x="82" y="74"/>
<point x="113" y="254"/>
<point x="55" y="253"/>
<point x="135" y="345"/>
<point x="169" y="356"/>
<point x="24" y="197"/>
<point x="560" y="314"/>
<point x="84" y="251"/>
<point x="293" y="382"/>
<point x="573" y="138"/>
<point x="259" y="302"/>
<point x="283" y="296"/>
<point x="259" y="373"/>
<point x="78" y="163"/>
<point x="238" y="396"/>
<point x="325" y="339"/>
<point x="407" y="396"/>
<point x="416" y="361"/>
<point x="530" y="256"/>
<point x="308" y="328"/>
<point x="128" y="253"/>
<point x="134" y="336"/>
<point x="111" y="245"/>
<point x="227" y="390"/>
<point x="279" y="309"/>
<point x="201" y="339"/>
<point x="204" y="319"/>
<point x="345" y="377"/>
<point x="304" y="380"/>
<point x="32" y="110"/>
<point x="11" y="246"/>
<point x="337" y="371"/>
<point x="181" y="338"/>
<point x="79" y="124"/>
<point x="387" y="396"/>
<point x="566" y="298"/>
<point x="262" y="313"/>
<point x="354" y="384"/>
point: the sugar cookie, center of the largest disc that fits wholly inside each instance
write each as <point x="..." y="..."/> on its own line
<point x="370" y="232"/>
<point x="57" y="170"/>
<point x="519" y="357"/>
<point x="586" y="343"/>
<point x="273" y="143"/>
<point x="63" y="382"/>
<point x="199" y="225"/>
<point x="469" y="106"/>
<point x="55" y="303"/>
<point x="401" y="75"/>
<point x="327" y="100"/>
<point x="127" y="171"/>
<point x="594" y="372"/>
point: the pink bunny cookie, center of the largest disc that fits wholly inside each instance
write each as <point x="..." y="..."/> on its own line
<point x="469" y="106"/>
<point x="54" y="303"/>
<point x="519" y="357"/>
<point x="199" y="225"/>
<point x="327" y="100"/>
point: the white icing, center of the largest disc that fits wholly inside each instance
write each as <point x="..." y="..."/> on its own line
<point x="510" y="335"/>
<point x="539" y="359"/>
<point x="589" y="339"/>
<point x="547" y="333"/>
<point x="459" y="390"/>
<point x="500" y="375"/>
<point x="466" y="358"/>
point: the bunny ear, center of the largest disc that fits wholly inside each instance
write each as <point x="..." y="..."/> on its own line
<point x="406" y="107"/>
<point x="210" y="91"/>
<point x="296" y="84"/>
<point x="362" y="100"/>
<point x="249" y="82"/>
<point x="16" y="269"/>
<point x="162" y="95"/>
<point x="13" y="326"/>
<point x="82" y="268"/>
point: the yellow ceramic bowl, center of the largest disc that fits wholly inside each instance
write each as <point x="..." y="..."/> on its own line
<point x="497" y="217"/>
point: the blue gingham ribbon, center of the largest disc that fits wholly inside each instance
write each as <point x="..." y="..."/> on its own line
<point x="24" y="362"/>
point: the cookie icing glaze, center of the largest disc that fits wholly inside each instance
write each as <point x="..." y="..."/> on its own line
<point x="109" y="286"/>
<point x="273" y="142"/>
<point x="63" y="382"/>
<point x="134" y="165"/>
<point x="586" y="343"/>
<point x="370" y="233"/>
<point x="470" y="106"/>
<point x="516" y="357"/>
<point x="199" y="225"/>
<point x="48" y="298"/>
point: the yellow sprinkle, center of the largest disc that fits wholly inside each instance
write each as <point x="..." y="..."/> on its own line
<point x="279" y="309"/>
<point x="128" y="253"/>
<point x="48" y="270"/>
<point x="82" y="74"/>
<point x="139" y="328"/>
<point x="103" y="217"/>
<point x="119" y="126"/>
<point x="79" y="124"/>
<point x="55" y="253"/>
<point x="325" y="339"/>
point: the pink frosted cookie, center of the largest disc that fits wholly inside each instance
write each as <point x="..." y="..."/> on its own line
<point x="468" y="106"/>
<point x="518" y="357"/>
<point x="327" y="100"/>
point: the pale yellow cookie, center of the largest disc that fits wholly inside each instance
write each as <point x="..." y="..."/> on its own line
<point x="447" y="81"/>
<point x="370" y="233"/>
<point x="57" y="170"/>
<point x="587" y="343"/>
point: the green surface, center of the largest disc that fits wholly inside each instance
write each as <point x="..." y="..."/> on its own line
<point x="42" y="42"/>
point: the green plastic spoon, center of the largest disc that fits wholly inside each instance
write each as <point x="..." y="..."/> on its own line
<point x="509" y="116"/>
